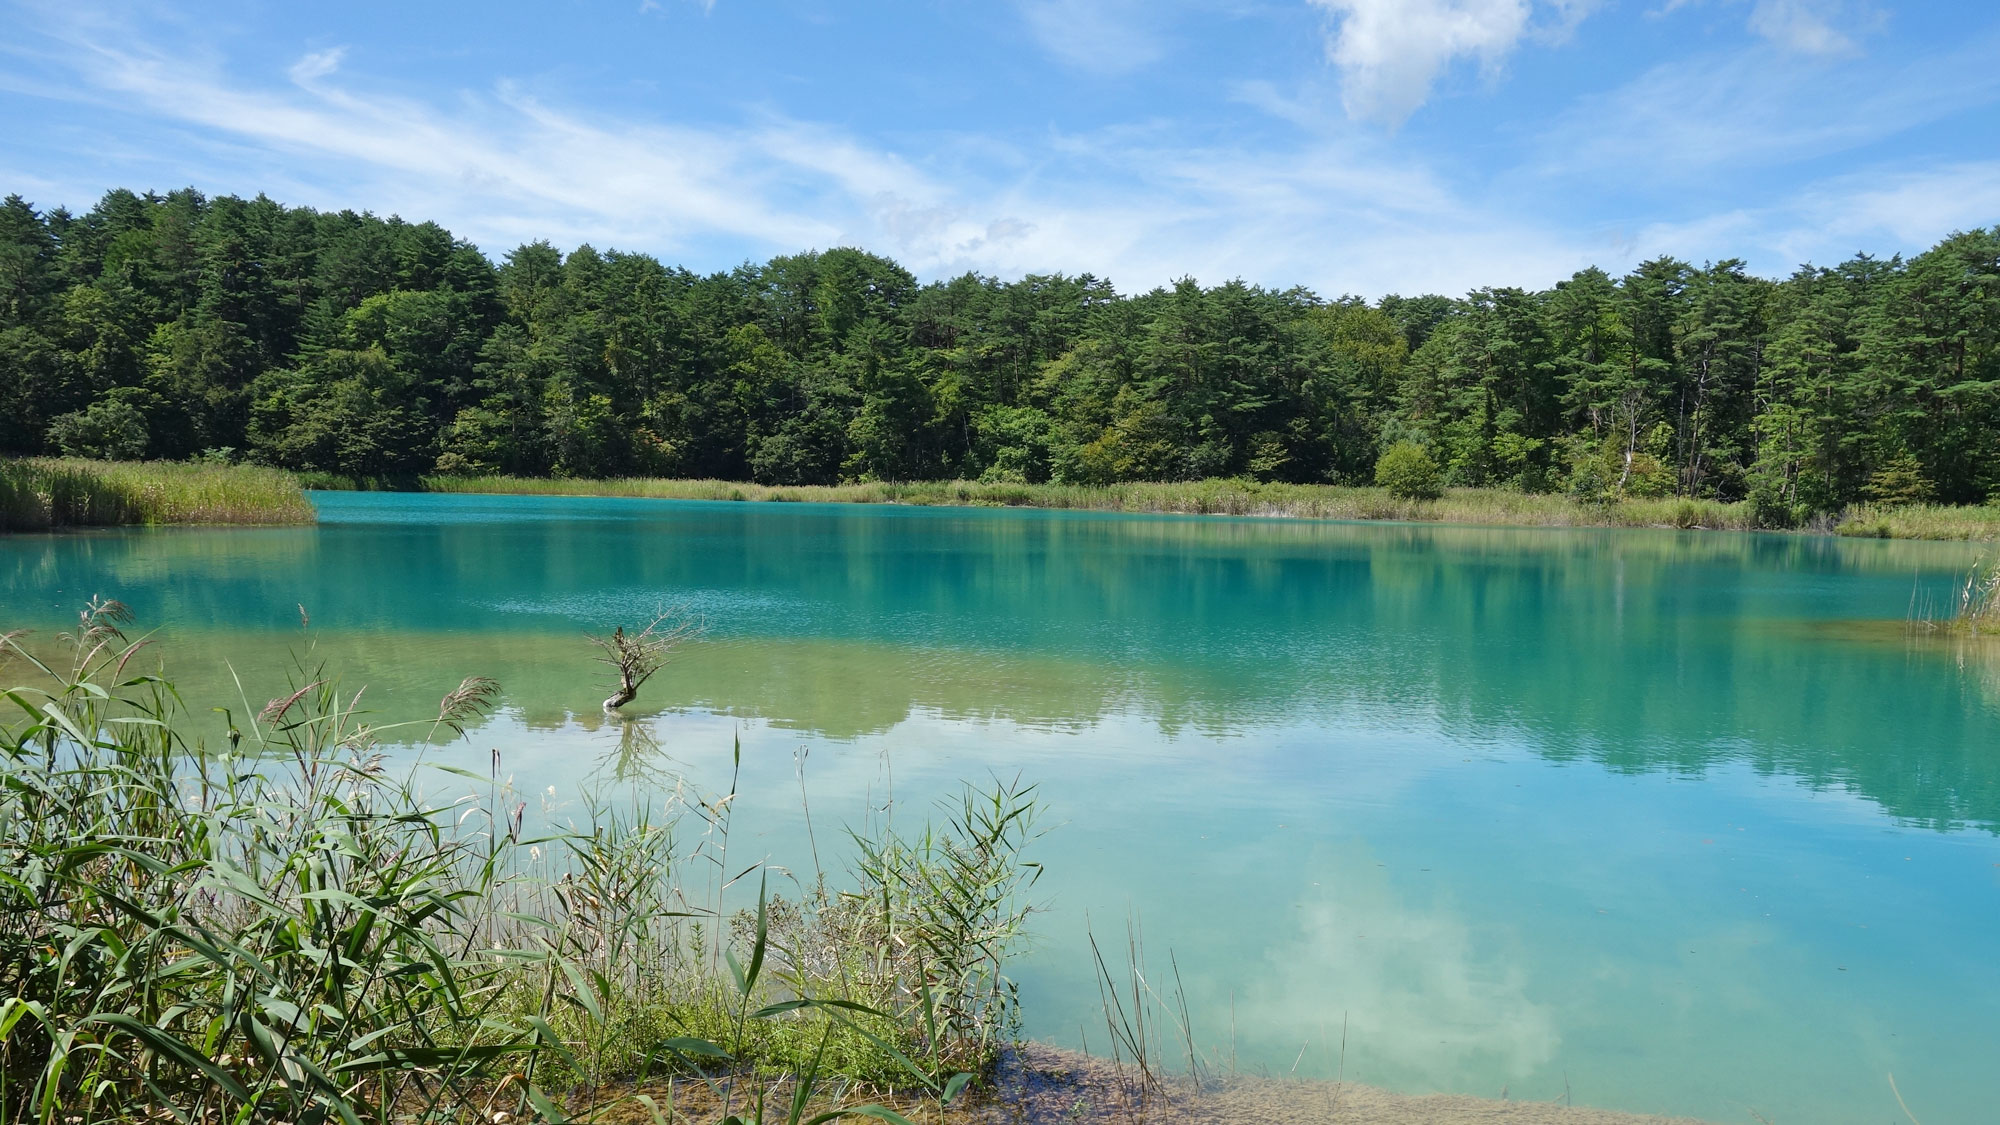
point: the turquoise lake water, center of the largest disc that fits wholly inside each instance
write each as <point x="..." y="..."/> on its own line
<point x="1681" y="822"/>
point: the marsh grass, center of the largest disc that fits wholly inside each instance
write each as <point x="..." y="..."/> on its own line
<point x="1231" y="497"/>
<point x="1921" y="521"/>
<point x="288" y="930"/>
<point x="1974" y="612"/>
<point x="40" y="493"/>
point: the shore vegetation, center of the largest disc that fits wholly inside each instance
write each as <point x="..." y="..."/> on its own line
<point x="1237" y="497"/>
<point x="41" y="493"/>
<point x="289" y="927"/>
<point x="183" y="325"/>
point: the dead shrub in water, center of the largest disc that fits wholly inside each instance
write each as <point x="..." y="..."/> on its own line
<point x="634" y="657"/>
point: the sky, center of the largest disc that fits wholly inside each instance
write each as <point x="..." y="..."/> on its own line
<point x="1351" y="146"/>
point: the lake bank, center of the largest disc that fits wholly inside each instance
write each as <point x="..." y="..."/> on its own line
<point x="1231" y="497"/>
<point x="1037" y="1084"/>
<point x="46" y="493"/>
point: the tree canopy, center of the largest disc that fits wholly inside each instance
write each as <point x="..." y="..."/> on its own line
<point x="177" y="325"/>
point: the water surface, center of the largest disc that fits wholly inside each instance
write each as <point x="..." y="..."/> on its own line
<point x="1683" y="822"/>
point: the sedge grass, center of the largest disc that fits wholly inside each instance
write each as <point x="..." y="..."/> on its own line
<point x="1231" y="497"/>
<point x="287" y="930"/>
<point x="40" y="493"/>
<point x="1922" y="521"/>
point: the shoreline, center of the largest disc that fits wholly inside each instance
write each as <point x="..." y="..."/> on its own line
<point x="1039" y="1084"/>
<point x="48" y="494"/>
<point x="1481" y="507"/>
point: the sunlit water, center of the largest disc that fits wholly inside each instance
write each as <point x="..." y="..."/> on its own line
<point x="1682" y="822"/>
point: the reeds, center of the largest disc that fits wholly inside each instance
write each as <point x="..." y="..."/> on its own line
<point x="290" y="931"/>
<point x="1975" y="606"/>
<point x="1921" y="521"/>
<point x="1231" y="497"/>
<point x="40" y="493"/>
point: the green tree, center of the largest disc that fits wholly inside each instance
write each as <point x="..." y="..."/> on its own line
<point x="1409" y="472"/>
<point x="106" y="431"/>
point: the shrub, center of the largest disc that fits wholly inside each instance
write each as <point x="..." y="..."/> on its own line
<point x="106" y="431"/>
<point x="1408" y="471"/>
<point x="1771" y="509"/>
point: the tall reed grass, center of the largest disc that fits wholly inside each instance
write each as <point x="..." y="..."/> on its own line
<point x="286" y="929"/>
<point x="1974" y="611"/>
<point x="1921" y="521"/>
<point x="39" y="493"/>
<point x="1233" y="497"/>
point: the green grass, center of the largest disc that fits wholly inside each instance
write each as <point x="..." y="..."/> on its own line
<point x="1233" y="497"/>
<point x="1921" y="521"/>
<point x="284" y="929"/>
<point x="41" y="493"/>
<point x="1237" y="497"/>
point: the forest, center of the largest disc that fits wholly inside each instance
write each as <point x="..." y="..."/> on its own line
<point x="185" y="327"/>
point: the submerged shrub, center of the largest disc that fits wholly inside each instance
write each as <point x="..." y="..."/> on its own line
<point x="1408" y="471"/>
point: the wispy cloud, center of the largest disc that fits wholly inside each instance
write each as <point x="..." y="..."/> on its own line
<point x="1101" y="36"/>
<point x="1753" y="107"/>
<point x="1801" y="25"/>
<point x="1336" y="205"/>
<point x="1140" y="205"/>
<point x="1911" y="207"/>
<point x="1809" y="27"/>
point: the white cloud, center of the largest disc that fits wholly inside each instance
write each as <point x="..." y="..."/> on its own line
<point x="1391" y="52"/>
<point x="1910" y="207"/>
<point x="1800" y="25"/>
<point x="1335" y="206"/>
<point x="1810" y="27"/>
<point x="1754" y="108"/>
<point x="317" y="64"/>
<point x="1877" y="209"/>
<point x="1340" y="211"/>
<point x="1102" y="36"/>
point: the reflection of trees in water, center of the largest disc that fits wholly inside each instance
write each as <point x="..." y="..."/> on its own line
<point x="639" y="760"/>
<point x="1639" y="651"/>
<point x="1906" y="722"/>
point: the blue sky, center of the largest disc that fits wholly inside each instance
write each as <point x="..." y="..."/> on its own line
<point x="1363" y="146"/>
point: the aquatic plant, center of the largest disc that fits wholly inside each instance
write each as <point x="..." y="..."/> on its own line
<point x="39" y="493"/>
<point x="289" y="930"/>
<point x="1976" y="605"/>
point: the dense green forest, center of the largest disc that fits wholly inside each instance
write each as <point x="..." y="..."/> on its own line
<point x="180" y="326"/>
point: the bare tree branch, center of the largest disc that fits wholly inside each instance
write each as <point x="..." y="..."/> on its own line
<point x="636" y="656"/>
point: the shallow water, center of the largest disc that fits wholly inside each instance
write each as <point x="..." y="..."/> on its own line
<point x="1684" y="822"/>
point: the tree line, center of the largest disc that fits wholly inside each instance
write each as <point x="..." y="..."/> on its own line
<point x="180" y="326"/>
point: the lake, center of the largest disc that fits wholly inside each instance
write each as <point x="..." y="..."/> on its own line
<point x="1664" y="821"/>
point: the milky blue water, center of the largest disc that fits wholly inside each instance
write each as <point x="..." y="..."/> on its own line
<point x="1682" y="822"/>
